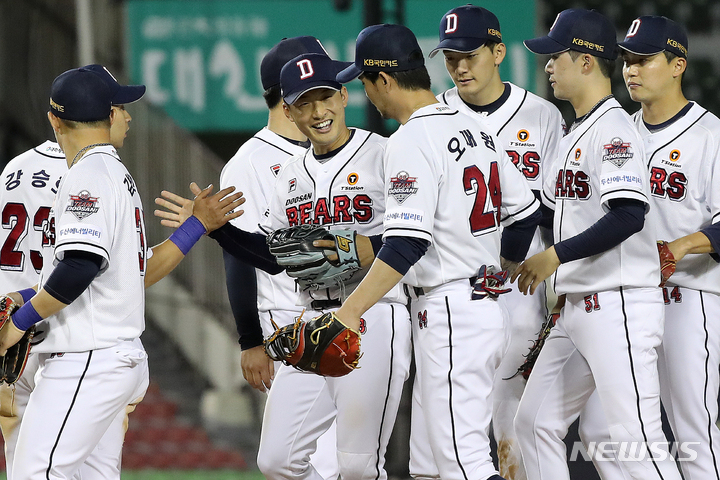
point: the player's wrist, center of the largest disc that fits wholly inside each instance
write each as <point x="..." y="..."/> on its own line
<point x="25" y="317"/>
<point x="188" y="234"/>
<point x="26" y="294"/>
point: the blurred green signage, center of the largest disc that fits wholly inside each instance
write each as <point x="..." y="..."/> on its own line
<point x="200" y="59"/>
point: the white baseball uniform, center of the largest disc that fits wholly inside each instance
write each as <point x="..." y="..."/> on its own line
<point x="684" y="163"/>
<point x="345" y="190"/>
<point x="253" y="171"/>
<point x="607" y="337"/>
<point x="91" y="363"/>
<point x="449" y="182"/>
<point x="30" y="182"/>
<point x="528" y="129"/>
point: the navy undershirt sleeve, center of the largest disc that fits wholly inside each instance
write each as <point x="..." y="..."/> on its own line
<point x="241" y="282"/>
<point x="713" y="234"/>
<point x="625" y="218"/>
<point x="73" y="275"/>
<point x="247" y="247"/>
<point x="516" y="238"/>
<point x="377" y="243"/>
<point x="401" y="253"/>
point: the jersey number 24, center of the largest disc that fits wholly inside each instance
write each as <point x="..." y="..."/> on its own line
<point x="483" y="217"/>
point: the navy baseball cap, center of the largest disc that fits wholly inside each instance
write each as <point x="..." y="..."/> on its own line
<point x="283" y="52"/>
<point x="122" y="94"/>
<point x="384" y="48"/>
<point x="651" y="34"/>
<point x="586" y="31"/>
<point x="307" y="72"/>
<point x="81" y="96"/>
<point x="467" y="28"/>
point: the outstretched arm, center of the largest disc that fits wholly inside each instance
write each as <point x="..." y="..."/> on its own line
<point x="206" y="213"/>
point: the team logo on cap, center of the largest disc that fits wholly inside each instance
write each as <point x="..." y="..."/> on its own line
<point x="675" y="155"/>
<point x="306" y="68"/>
<point x="402" y="186"/>
<point x="634" y="27"/>
<point x="617" y="152"/>
<point x="82" y="205"/>
<point x="275" y="169"/>
<point x="523" y="135"/>
<point x="451" y="23"/>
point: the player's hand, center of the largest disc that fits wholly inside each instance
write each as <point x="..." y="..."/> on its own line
<point x="508" y="265"/>
<point x="257" y="368"/>
<point x="366" y="254"/>
<point x="180" y="209"/>
<point x="9" y="336"/>
<point x="533" y="271"/>
<point x="349" y="320"/>
<point x="216" y="210"/>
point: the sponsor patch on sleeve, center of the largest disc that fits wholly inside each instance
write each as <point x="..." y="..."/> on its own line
<point x="80" y="232"/>
<point x="83" y="204"/>
<point x="617" y="152"/>
<point x="614" y="180"/>
<point x="404" y="215"/>
<point x="402" y="186"/>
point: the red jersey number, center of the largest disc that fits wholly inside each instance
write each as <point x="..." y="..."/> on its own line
<point x="15" y="219"/>
<point x="483" y="217"/>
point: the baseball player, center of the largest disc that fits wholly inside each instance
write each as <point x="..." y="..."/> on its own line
<point x="607" y="336"/>
<point x="336" y="182"/>
<point x="30" y="182"/>
<point x="91" y="362"/>
<point x="528" y="129"/>
<point x="447" y="186"/>
<point x="682" y="145"/>
<point x="30" y="199"/>
<point x="253" y="170"/>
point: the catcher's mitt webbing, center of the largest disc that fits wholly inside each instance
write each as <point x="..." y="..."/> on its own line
<point x="13" y="363"/>
<point x="323" y="346"/>
<point x="667" y="261"/>
<point x="293" y="248"/>
<point x="526" y="368"/>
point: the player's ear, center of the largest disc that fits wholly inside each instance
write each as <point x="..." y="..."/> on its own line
<point x="54" y="122"/>
<point x="344" y="96"/>
<point x="679" y="67"/>
<point x="384" y="81"/>
<point x="286" y="111"/>
<point x="499" y="53"/>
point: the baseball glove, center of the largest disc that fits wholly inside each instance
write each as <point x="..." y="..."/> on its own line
<point x="309" y="265"/>
<point x="489" y="283"/>
<point x="667" y="261"/>
<point x="13" y="363"/>
<point x="323" y="346"/>
<point x="526" y="368"/>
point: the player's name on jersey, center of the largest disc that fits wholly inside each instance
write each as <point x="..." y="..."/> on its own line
<point x="39" y="179"/>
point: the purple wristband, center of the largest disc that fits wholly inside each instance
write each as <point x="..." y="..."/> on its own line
<point x="25" y="317"/>
<point x="188" y="234"/>
<point x="27" y="294"/>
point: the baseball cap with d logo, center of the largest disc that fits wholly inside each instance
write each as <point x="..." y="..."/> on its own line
<point x="652" y="34"/>
<point x="585" y="31"/>
<point x="308" y="72"/>
<point x="467" y="28"/>
<point x="384" y="48"/>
